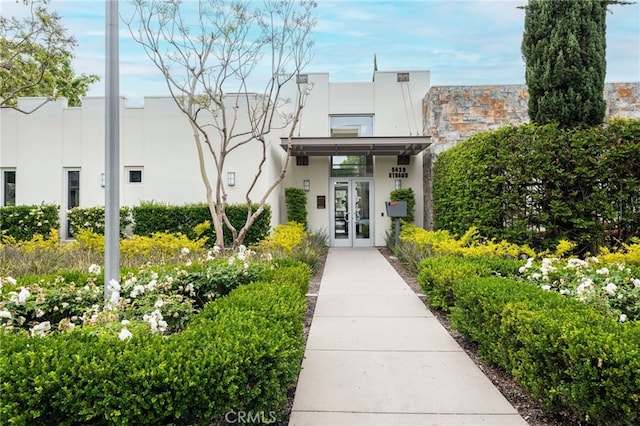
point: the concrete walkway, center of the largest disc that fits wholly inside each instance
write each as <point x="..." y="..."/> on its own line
<point x="376" y="356"/>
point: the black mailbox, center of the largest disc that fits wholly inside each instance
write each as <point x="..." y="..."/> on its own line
<point x="396" y="208"/>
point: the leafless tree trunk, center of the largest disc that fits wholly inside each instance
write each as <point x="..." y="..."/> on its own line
<point x="210" y="52"/>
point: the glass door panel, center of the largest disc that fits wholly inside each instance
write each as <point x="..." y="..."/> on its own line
<point x="351" y="207"/>
<point x="361" y="210"/>
<point x="341" y="213"/>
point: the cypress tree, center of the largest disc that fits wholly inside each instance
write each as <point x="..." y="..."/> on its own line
<point x="564" y="49"/>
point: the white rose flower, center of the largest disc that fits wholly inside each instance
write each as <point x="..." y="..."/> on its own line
<point x="23" y="295"/>
<point x="40" y="330"/>
<point x="611" y="288"/>
<point x="125" y="334"/>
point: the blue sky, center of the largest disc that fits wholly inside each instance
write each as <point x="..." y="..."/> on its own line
<point x="462" y="42"/>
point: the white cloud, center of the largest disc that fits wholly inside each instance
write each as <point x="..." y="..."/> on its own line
<point x="460" y="41"/>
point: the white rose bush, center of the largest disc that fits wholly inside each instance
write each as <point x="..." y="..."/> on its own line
<point x="177" y="343"/>
<point x="164" y="298"/>
<point x="610" y="288"/>
<point x="567" y="329"/>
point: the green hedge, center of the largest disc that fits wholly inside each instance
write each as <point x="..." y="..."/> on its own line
<point x="242" y="353"/>
<point x="436" y="275"/>
<point x="296" y="200"/>
<point x="569" y="356"/>
<point x="23" y="222"/>
<point x="407" y="195"/>
<point x="537" y="185"/>
<point x="92" y="219"/>
<point x="149" y="218"/>
<point x="290" y="270"/>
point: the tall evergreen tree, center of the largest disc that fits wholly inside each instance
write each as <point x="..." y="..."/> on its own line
<point x="564" y="49"/>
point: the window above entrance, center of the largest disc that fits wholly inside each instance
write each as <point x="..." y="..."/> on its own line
<point x="351" y="166"/>
<point x="351" y="126"/>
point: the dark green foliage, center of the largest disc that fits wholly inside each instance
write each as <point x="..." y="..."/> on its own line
<point x="92" y="219"/>
<point x="407" y="195"/>
<point x="296" y="200"/>
<point x="149" y="218"/>
<point x="292" y="271"/>
<point x="23" y="222"/>
<point x="437" y="275"/>
<point x="564" y="48"/>
<point x="569" y="356"/>
<point x="242" y="352"/>
<point x="37" y="55"/>
<point x="538" y="184"/>
<point x="220" y="276"/>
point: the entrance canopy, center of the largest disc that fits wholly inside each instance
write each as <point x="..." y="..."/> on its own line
<point x="370" y="145"/>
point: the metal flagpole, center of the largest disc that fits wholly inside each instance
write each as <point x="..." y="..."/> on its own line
<point x="112" y="150"/>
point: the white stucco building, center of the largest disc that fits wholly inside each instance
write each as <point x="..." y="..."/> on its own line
<point x="355" y="143"/>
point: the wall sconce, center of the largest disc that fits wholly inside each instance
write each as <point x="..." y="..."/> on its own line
<point x="231" y="178"/>
<point x="398" y="183"/>
<point x="103" y="181"/>
<point x="306" y="185"/>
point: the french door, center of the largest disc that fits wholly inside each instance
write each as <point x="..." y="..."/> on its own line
<point x="351" y="207"/>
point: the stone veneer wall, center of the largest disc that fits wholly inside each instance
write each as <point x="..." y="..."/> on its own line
<point x="453" y="113"/>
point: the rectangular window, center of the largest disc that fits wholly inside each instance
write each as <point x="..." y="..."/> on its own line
<point x="73" y="189"/>
<point x="73" y="194"/>
<point x="9" y="188"/>
<point x="135" y="176"/>
<point x="351" y="126"/>
<point x="352" y="166"/>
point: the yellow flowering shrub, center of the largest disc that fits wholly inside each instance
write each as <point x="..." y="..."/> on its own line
<point x="629" y="254"/>
<point x="442" y="243"/>
<point x="37" y="243"/>
<point x="283" y="240"/>
<point x="201" y="228"/>
<point x="159" y="244"/>
<point x="89" y="240"/>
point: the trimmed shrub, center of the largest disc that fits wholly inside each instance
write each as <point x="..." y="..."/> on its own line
<point x="242" y="352"/>
<point x="407" y="195"/>
<point x="92" y="219"/>
<point x="437" y="275"/>
<point x="292" y="271"/>
<point x="296" y="200"/>
<point x="22" y="223"/>
<point x="149" y="218"/>
<point x="537" y="185"/>
<point x="569" y="356"/>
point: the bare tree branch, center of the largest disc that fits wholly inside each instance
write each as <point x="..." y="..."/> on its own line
<point x="211" y="53"/>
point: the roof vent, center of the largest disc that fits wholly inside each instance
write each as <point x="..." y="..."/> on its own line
<point x="403" y="77"/>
